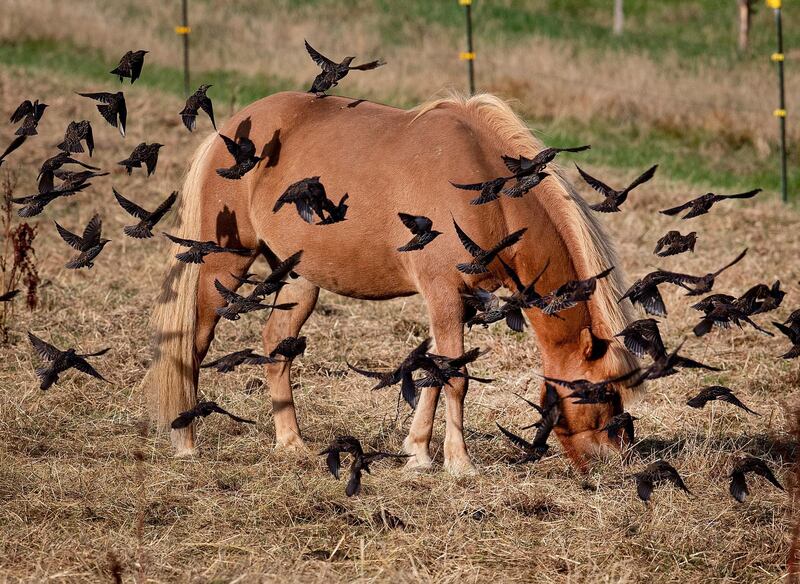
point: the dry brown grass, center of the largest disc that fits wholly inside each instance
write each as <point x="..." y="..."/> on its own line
<point x="72" y="490"/>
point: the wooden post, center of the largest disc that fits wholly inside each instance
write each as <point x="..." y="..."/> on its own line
<point x="184" y="31"/>
<point x="778" y="58"/>
<point x="619" y="17"/>
<point x="745" y="16"/>
<point x="469" y="55"/>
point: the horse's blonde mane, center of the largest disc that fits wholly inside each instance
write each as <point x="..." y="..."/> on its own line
<point x="591" y="248"/>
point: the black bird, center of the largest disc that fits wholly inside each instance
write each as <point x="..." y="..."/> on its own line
<point x="144" y="153"/>
<point x="761" y="298"/>
<point x="450" y="368"/>
<point x="551" y="413"/>
<point x="29" y="114"/>
<point x="668" y="365"/>
<point x="703" y="284"/>
<point x="200" y="249"/>
<point x="76" y="133"/>
<point x="422" y="229"/>
<point x="289" y="348"/>
<point x="593" y="392"/>
<point x="551" y="395"/>
<point x="275" y="280"/>
<point x="489" y="190"/>
<point x="89" y="246"/>
<point x="236" y="304"/>
<point x="130" y="65"/>
<point x="74" y="179"/>
<point x="54" y="163"/>
<point x="361" y="460"/>
<point x="743" y="466"/>
<point x="244" y="155"/>
<point x="9" y="296"/>
<point x="523" y="297"/>
<point x="417" y="359"/>
<point x="231" y="361"/>
<point x="35" y="204"/>
<point x="793" y="334"/>
<point x="568" y="295"/>
<point x="613" y="198"/>
<point x="654" y="474"/>
<point x="524" y="184"/>
<point x="620" y="423"/>
<point x="483" y="257"/>
<point x="674" y="243"/>
<point x="793" y="320"/>
<point x="147" y="219"/>
<point x="482" y="307"/>
<point x="722" y="315"/>
<point x="336" y="213"/>
<point x="202" y="410"/>
<point x="644" y="291"/>
<point x="309" y="197"/>
<point x="15" y="143"/>
<point x="61" y="361"/>
<point x="702" y="205"/>
<point x="642" y="337"/>
<point x="197" y="101"/>
<point x="717" y="393"/>
<point x="112" y="107"/>
<point x="333" y="72"/>
<point x="523" y="166"/>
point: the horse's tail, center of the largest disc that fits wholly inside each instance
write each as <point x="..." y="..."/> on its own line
<point x="171" y="381"/>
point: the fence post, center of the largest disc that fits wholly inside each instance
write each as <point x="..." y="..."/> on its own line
<point x="778" y="58"/>
<point x="184" y="31"/>
<point x="469" y="56"/>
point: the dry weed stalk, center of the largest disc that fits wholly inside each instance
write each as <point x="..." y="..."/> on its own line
<point x="18" y="259"/>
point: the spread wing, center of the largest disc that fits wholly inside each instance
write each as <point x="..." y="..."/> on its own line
<point x="596" y="184"/>
<point x="72" y="240"/>
<point x="83" y="366"/>
<point x="747" y="195"/>
<point x="227" y="295"/>
<point x="675" y="210"/>
<point x="91" y="234"/>
<point x="473" y="248"/>
<point x="321" y="60"/>
<point x="44" y="349"/>
<point x="165" y="206"/>
<point x="15" y="143"/>
<point x="23" y="109"/>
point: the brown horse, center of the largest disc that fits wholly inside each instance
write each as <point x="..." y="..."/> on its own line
<point x="389" y="160"/>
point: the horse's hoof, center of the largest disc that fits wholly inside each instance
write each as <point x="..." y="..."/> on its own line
<point x="294" y="445"/>
<point x="461" y="467"/>
<point x="418" y="463"/>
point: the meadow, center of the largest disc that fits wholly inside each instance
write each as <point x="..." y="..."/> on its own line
<point x="87" y="490"/>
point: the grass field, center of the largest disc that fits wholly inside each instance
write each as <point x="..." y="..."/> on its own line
<point x="72" y="493"/>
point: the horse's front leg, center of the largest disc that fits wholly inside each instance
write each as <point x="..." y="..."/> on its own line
<point x="446" y="313"/>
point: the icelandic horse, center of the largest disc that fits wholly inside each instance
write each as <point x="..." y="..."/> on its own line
<point x="389" y="160"/>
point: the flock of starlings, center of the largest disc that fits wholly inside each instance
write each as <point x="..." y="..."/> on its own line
<point x="641" y="337"/>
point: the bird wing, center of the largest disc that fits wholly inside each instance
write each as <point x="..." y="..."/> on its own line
<point x="207" y="106"/>
<point x="44" y="349"/>
<point x="734" y="262"/>
<point x="321" y="60"/>
<point x="738" y="487"/>
<point x="473" y="248"/>
<point x="15" y="143"/>
<point x="746" y="195"/>
<point x="516" y="440"/>
<point x="678" y="209"/>
<point x="470" y="187"/>
<point x="644" y="487"/>
<point x="354" y="484"/>
<point x="507" y="241"/>
<point x="334" y="461"/>
<point x="416" y="224"/>
<point x="162" y="209"/>
<point x="283" y="269"/>
<point x="72" y="240"/>
<point x="367" y="373"/>
<point x="514" y="165"/>
<point x="643" y="178"/>
<point x="549" y="420"/>
<point x="88" y="136"/>
<point x="227" y="295"/>
<point x="92" y="231"/>
<point x="513" y="275"/>
<point x="369" y="65"/>
<point x="596" y="184"/>
<point x="180" y="240"/>
<point x="231" y="145"/>
<point x="99" y="96"/>
<point x="23" y="109"/>
<point x="83" y="366"/>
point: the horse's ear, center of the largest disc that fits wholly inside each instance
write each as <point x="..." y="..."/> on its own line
<point x="592" y="347"/>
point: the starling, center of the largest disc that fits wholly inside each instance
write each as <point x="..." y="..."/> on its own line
<point x="568" y="295"/>
<point x="147" y="219"/>
<point x="793" y="334"/>
<point x="333" y="72"/>
<point x="551" y="413"/>
<point x="89" y="246"/>
<point x="668" y="365"/>
<point x="289" y="348"/>
<point x="200" y="249"/>
<point x="29" y="114"/>
<point x="654" y="474"/>
<point x="613" y="198"/>
<point x="717" y="393"/>
<point x="244" y="155"/>
<point x="621" y="422"/>
<point x="236" y="304"/>
<point x="275" y="280"/>
<point x="309" y="198"/>
<point x="483" y="257"/>
<point x="202" y="410"/>
<point x="644" y="291"/>
<point x="76" y="133"/>
<point x="112" y="107"/>
<point x="35" y="204"/>
<point x="702" y="205"/>
<point x="723" y="315"/>
<point x="593" y="392"/>
<point x="703" y="284"/>
<point x="52" y="164"/>
<point x="642" y="337"/>
<point x="146" y="154"/>
<point x="743" y="466"/>
<point x="361" y="460"/>
<point x="60" y="361"/>
<point x="15" y="143"/>
<point x="674" y="243"/>
<point x="761" y="298"/>
<point x="336" y="213"/>
<point x="523" y="166"/>
<point x="130" y="65"/>
<point x="524" y="184"/>
<point x="422" y="230"/>
<point x="489" y="190"/>
<point x="450" y="368"/>
<point x="231" y="361"/>
<point x="197" y="101"/>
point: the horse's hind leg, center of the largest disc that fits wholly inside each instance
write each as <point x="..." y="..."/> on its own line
<point x="418" y="441"/>
<point x="282" y="324"/>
